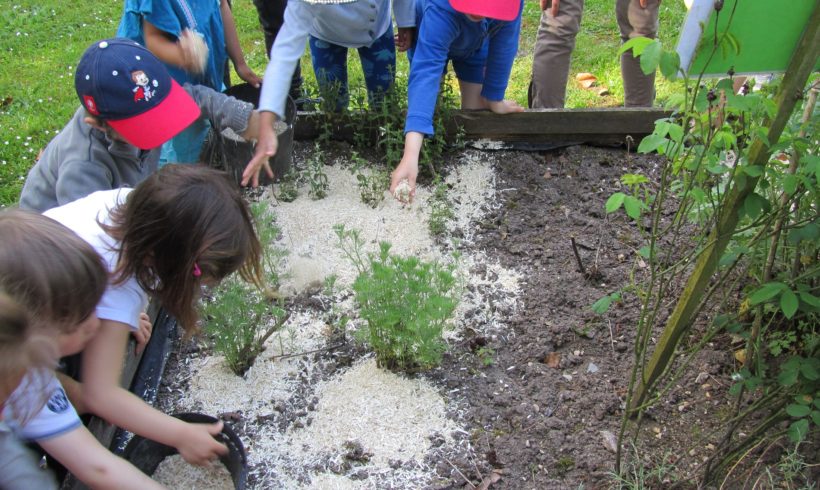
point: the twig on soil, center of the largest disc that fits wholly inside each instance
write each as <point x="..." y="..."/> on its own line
<point x="611" y="336"/>
<point x="467" y="480"/>
<point x="577" y="256"/>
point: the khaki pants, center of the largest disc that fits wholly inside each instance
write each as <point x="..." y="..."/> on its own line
<point x="556" y="40"/>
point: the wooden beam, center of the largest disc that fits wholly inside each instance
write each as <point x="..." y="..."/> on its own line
<point x="535" y="126"/>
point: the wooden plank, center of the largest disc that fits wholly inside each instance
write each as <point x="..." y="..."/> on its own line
<point x="538" y="126"/>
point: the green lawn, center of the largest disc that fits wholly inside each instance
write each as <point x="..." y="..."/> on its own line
<point x="41" y="41"/>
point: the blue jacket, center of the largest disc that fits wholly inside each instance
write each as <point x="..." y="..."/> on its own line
<point x="445" y="34"/>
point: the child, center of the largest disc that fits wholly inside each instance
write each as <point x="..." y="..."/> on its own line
<point x="113" y="140"/>
<point x="57" y="278"/>
<point x="18" y="354"/>
<point x="183" y="227"/>
<point x="481" y="37"/>
<point x="167" y="28"/>
<point x="332" y="26"/>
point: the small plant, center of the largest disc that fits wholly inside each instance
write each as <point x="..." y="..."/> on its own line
<point x="315" y="175"/>
<point x="441" y="209"/>
<point x="405" y="301"/>
<point x="235" y="319"/>
<point x="268" y="232"/>
<point x="372" y="183"/>
<point x="486" y="355"/>
<point x="236" y="315"/>
<point x="288" y="186"/>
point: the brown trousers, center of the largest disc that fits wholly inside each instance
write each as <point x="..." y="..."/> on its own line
<point x="556" y="40"/>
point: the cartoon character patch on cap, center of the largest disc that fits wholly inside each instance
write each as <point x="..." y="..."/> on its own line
<point x="143" y="90"/>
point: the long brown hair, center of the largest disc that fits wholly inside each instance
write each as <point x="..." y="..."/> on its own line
<point x="49" y="270"/>
<point x="184" y="224"/>
<point x="23" y="352"/>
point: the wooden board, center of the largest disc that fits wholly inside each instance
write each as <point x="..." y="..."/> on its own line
<point x="534" y="126"/>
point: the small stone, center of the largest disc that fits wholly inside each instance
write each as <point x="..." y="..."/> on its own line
<point x="592" y="368"/>
<point x="610" y="441"/>
<point x="567" y="377"/>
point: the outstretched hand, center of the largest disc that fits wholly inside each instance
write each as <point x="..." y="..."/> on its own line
<point x="266" y="147"/>
<point x="197" y="445"/>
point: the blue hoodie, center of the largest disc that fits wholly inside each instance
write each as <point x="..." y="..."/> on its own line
<point x="445" y="34"/>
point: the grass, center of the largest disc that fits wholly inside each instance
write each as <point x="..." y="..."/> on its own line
<point x="42" y="40"/>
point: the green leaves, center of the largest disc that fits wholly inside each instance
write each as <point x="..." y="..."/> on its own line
<point x="602" y="305"/>
<point x="405" y="301"/>
<point x="651" y="57"/>
<point x="789" y="301"/>
<point x="632" y="205"/>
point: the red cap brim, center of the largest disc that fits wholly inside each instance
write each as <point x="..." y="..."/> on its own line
<point x="506" y="10"/>
<point x="156" y="126"/>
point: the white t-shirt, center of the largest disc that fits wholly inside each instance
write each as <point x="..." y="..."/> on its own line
<point x="123" y="302"/>
<point x="54" y="417"/>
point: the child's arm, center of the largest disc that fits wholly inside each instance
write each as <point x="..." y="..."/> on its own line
<point x="102" y="394"/>
<point x="234" y="48"/>
<point x="285" y="53"/>
<point x="93" y="464"/>
<point x="437" y="32"/>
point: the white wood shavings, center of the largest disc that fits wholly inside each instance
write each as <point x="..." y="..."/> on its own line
<point x="307" y="229"/>
<point x="472" y="191"/>
<point x="391" y="416"/>
<point x="175" y="474"/>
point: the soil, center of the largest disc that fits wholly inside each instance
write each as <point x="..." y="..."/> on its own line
<point x="541" y="398"/>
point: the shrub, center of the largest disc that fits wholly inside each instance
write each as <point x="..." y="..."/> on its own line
<point x="405" y="301"/>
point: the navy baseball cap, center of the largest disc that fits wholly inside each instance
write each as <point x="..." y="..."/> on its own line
<point x="125" y="85"/>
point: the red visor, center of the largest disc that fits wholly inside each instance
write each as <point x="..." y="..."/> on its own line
<point x="156" y="126"/>
<point x="493" y="9"/>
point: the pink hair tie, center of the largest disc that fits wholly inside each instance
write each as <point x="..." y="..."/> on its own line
<point x="197" y="270"/>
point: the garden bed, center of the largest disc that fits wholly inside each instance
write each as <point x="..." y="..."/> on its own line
<point x="532" y="386"/>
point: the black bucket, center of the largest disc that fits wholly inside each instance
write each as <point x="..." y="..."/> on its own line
<point x="232" y="154"/>
<point x="146" y="454"/>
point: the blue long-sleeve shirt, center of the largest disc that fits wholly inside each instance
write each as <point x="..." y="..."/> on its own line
<point x="444" y="34"/>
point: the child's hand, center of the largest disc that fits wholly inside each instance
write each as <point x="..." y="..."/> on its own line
<point x="194" y="51"/>
<point x="246" y="73"/>
<point x="266" y="147"/>
<point x="143" y="333"/>
<point x="404" y="38"/>
<point x="197" y="445"/>
<point x="504" y="106"/>
<point x="406" y="170"/>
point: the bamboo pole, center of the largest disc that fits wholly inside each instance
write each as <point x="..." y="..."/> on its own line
<point x="797" y="73"/>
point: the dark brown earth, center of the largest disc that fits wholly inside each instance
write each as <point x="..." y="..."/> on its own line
<point x="538" y="397"/>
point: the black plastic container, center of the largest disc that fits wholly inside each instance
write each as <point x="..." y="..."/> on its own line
<point x="146" y="454"/>
<point x="233" y="154"/>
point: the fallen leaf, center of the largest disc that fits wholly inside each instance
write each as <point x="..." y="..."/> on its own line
<point x="585" y="76"/>
<point x="740" y="356"/>
<point x="588" y="83"/>
<point x="490" y="479"/>
<point x="553" y="359"/>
